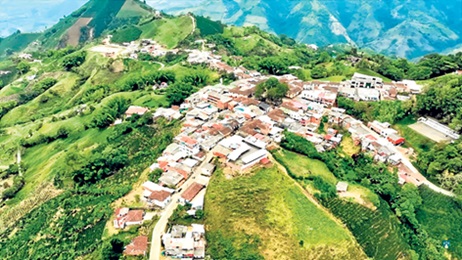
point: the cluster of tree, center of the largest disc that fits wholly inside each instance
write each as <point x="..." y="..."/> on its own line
<point x="62" y="133"/>
<point x="13" y="169"/>
<point x="430" y="66"/>
<point x="443" y="100"/>
<point x="102" y="164"/>
<point x="384" y="111"/>
<point x="155" y="175"/>
<point x="107" y="114"/>
<point x="273" y="66"/>
<point x="45" y="84"/>
<point x="319" y="71"/>
<point x="327" y="190"/>
<point x="112" y="249"/>
<point x="443" y="163"/>
<point x="74" y="60"/>
<point x="271" y="90"/>
<point x="140" y="81"/>
<point x="10" y="192"/>
<point x="5" y="107"/>
<point x="180" y="216"/>
<point x="178" y="92"/>
<point x="23" y="67"/>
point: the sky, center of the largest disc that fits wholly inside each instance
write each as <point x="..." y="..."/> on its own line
<point x="33" y="15"/>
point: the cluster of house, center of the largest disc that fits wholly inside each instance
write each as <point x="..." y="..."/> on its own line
<point x="185" y="241"/>
<point x="371" y="88"/>
<point x="132" y="49"/>
<point x="377" y="138"/>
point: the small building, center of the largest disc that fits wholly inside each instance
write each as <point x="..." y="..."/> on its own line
<point x="342" y="186"/>
<point x="137" y="247"/>
<point x="207" y="169"/>
<point x="135" y="110"/>
<point x="126" y="217"/>
<point x="190" y="193"/>
<point x="395" y="139"/>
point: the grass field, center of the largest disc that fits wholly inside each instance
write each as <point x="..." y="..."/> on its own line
<point x="348" y="146"/>
<point x="127" y="34"/>
<point x="131" y="9"/>
<point x="441" y="216"/>
<point x="266" y="214"/>
<point x="169" y="32"/>
<point x="303" y="166"/>
<point x="415" y="140"/>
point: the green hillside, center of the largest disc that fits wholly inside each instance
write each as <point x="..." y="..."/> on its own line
<point x="16" y="42"/>
<point x="402" y="28"/>
<point x="253" y="217"/>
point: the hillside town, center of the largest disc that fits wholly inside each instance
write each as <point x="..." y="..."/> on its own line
<point x="228" y="124"/>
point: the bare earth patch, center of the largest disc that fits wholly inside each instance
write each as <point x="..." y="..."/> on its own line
<point x="73" y="33"/>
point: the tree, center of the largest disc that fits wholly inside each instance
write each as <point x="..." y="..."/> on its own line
<point x="74" y="60"/>
<point x="113" y="250"/>
<point x="23" y="67"/>
<point x="319" y="71"/>
<point x="273" y="65"/>
<point x="271" y="90"/>
<point x="178" y="92"/>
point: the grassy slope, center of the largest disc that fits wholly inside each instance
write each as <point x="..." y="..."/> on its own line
<point x="303" y="166"/>
<point x="132" y="9"/>
<point x="268" y="205"/>
<point x="167" y="31"/>
<point x="377" y="231"/>
<point x="17" y="42"/>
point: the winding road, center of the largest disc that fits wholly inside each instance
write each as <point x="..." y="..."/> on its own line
<point x="415" y="174"/>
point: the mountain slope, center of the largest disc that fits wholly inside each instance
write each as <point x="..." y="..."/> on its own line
<point x="403" y="28"/>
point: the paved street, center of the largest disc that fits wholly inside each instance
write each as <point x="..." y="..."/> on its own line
<point x="415" y="174"/>
<point x="161" y="225"/>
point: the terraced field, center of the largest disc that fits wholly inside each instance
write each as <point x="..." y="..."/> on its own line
<point x="377" y="231"/>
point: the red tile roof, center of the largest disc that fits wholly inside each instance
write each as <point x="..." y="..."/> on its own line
<point x="138" y="246"/>
<point x="188" y="140"/>
<point x="159" y="195"/>
<point x="134" y="216"/>
<point x="192" y="191"/>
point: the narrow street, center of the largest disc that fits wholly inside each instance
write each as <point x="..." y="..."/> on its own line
<point x="415" y="174"/>
<point x="161" y="224"/>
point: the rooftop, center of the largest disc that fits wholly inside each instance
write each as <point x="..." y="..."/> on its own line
<point x="192" y="191"/>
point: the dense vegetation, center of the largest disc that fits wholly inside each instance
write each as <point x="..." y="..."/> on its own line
<point x="404" y="201"/>
<point x="208" y="27"/>
<point x="79" y="214"/>
<point x="126" y="34"/>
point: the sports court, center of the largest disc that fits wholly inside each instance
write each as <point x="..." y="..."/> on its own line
<point x="429" y="132"/>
